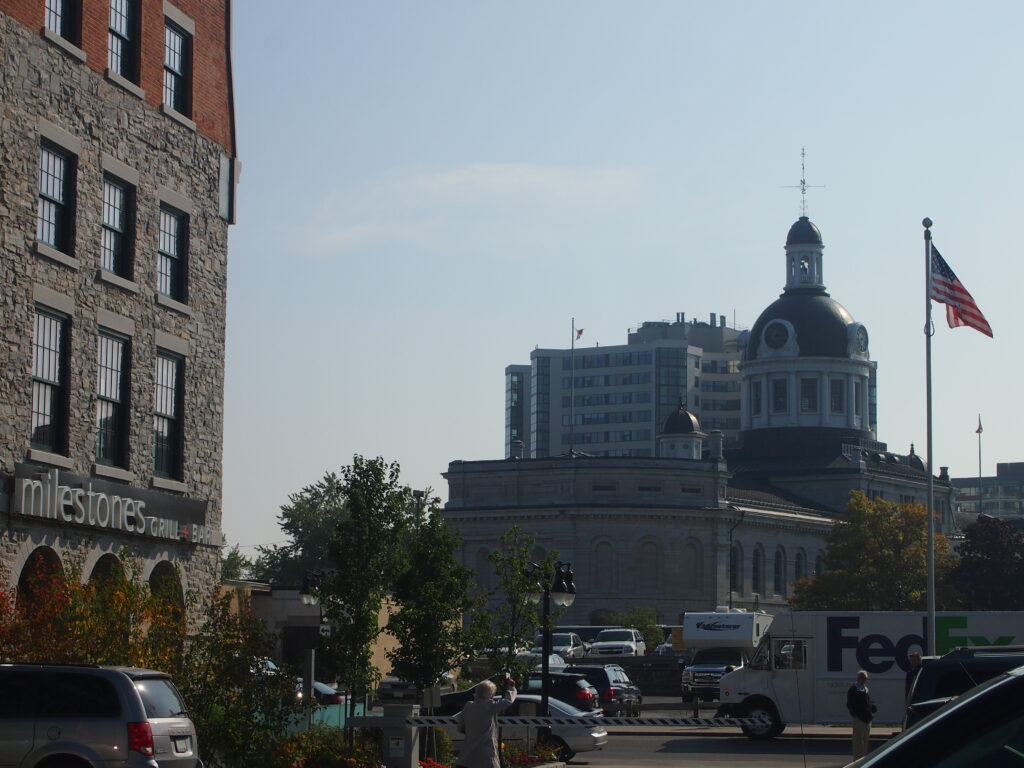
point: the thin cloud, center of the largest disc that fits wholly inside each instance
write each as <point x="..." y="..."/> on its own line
<point x="477" y="206"/>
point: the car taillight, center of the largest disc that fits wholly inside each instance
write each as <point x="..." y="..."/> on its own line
<point x="140" y="738"/>
<point x="583" y="694"/>
<point x="334" y="698"/>
<point x="608" y="694"/>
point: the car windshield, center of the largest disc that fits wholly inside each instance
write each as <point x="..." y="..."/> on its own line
<point x="717" y="656"/>
<point x="561" y="639"/>
<point x="614" y="634"/>
<point x="160" y="697"/>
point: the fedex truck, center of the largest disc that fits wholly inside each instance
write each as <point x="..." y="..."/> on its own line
<point x="807" y="661"/>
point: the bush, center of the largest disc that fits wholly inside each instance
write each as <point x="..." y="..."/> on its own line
<point x="324" y="746"/>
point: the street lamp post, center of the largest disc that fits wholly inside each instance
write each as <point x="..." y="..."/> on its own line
<point x="563" y="592"/>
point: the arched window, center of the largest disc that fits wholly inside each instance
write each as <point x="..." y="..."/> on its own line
<point x="602" y="567"/>
<point x="779" y="582"/>
<point x="736" y="569"/>
<point x="819" y="564"/>
<point x="484" y="569"/>
<point x="647" y="566"/>
<point x="800" y="566"/>
<point x="757" y="572"/>
<point x="691" y="568"/>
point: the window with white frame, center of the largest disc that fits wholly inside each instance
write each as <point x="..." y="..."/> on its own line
<point x="123" y="39"/>
<point x="116" y="235"/>
<point x="172" y="256"/>
<point x="50" y="381"/>
<point x="112" y="399"/>
<point x="167" y="422"/>
<point x="55" y="213"/>
<point x="177" y="68"/>
<point x="62" y="18"/>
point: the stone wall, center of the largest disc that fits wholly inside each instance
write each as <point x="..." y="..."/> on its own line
<point x="43" y="90"/>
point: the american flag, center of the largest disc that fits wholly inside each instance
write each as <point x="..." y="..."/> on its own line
<point x="960" y="306"/>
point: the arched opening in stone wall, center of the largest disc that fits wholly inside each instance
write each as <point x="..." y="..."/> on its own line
<point x="108" y="569"/>
<point x="168" y="617"/>
<point x="484" y="569"/>
<point x="40" y="580"/>
<point x="647" y="566"/>
<point x="691" y="568"/>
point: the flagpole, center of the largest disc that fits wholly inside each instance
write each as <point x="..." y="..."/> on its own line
<point x="928" y="331"/>
<point x="981" y="488"/>
<point x="572" y="387"/>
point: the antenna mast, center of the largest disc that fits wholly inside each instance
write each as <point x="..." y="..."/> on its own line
<point x="803" y="186"/>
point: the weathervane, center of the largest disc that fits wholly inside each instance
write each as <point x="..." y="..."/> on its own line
<point x="803" y="186"/>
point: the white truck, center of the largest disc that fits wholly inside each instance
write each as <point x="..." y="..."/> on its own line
<point x="805" y="664"/>
<point x="721" y="640"/>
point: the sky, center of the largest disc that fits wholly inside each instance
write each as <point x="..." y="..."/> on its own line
<point x="431" y="189"/>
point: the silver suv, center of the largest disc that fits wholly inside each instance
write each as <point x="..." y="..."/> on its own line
<point x="108" y="717"/>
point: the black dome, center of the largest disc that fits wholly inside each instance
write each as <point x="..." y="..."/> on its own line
<point x="819" y="322"/>
<point x="803" y="232"/>
<point x="680" y="422"/>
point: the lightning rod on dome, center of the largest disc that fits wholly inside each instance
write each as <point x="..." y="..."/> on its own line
<point x="803" y="186"/>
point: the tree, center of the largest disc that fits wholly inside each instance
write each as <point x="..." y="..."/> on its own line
<point x="432" y="594"/>
<point x="876" y="559"/>
<point x="646" y="621"/>
<point x="309" y="520"/>
<point x="242" y="708"/>
<point x="515" y="618"/>
<point x="233" y="564"/>
<point x="366" y="550"/>
<point x="991" y="567"/>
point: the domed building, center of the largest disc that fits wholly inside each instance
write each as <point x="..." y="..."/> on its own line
<point x="700" y="525"/>
<point x="809" y="391"/>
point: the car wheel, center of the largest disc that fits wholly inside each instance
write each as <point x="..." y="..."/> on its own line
<point x="562" y="750"/>
<point x="763" y="711"/>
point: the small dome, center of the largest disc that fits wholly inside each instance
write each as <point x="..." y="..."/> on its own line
<point x="803" y="232"/>
<point x="680" y="422"/>
<point x="820" y="324"/>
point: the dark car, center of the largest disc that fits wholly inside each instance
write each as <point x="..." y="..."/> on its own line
<point x="946" y="677"/>
<point x="615" y="690"/>
<point x="983" y="727"/>
<point x="452" y="703"/>
<point x="573" y="689"/>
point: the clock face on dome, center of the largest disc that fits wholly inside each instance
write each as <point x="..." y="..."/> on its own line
<point x="776" y="335"/>
<point x="862" y="339"/>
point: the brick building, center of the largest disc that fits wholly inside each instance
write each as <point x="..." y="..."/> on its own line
<point x="117" y="143"/>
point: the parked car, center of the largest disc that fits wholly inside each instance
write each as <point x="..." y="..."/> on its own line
<point x="323" y="694"/>
<point x="618" y="642"/>
<point x="568" y="739"/>
<point x="452" y="703"/>
<point x="573" y="689"/>
<point x="946" y="677"/>
<point x="555" y="663"/>
<point x="568" y="645"/>
<point x="104" y="717"/>
<point x="983" y="727"/>
<point x="615" y="690"/>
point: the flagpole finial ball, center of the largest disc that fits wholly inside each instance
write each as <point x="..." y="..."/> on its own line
<point x="926" y="222"/>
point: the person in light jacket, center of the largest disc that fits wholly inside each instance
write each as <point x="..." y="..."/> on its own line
<point x="479" y="723"/>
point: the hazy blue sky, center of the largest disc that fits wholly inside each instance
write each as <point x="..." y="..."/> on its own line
<point x="431" y="189"/>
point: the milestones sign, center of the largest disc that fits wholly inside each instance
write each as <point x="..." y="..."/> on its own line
<point x="62" y="497"/>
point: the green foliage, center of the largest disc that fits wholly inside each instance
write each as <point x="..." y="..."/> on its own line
<point x="309" y="521"/>
<point x="646" y="621"/>
<point x="325" y="747"/>
<point x="366" y="549"/>
<point x="991" y="567"/>
<point x="241" y="710"/>
<point x="876" y="560"/>
<point x="436" y="745"/>
<point x="516" y="618"/>
<point x="114" y="618"/>
<point x="233" y="564"/>
<point x="432" y="593"/>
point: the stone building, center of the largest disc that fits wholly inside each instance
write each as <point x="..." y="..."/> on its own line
<point x="117" y="142"/>
<point x="705" y="521"/>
